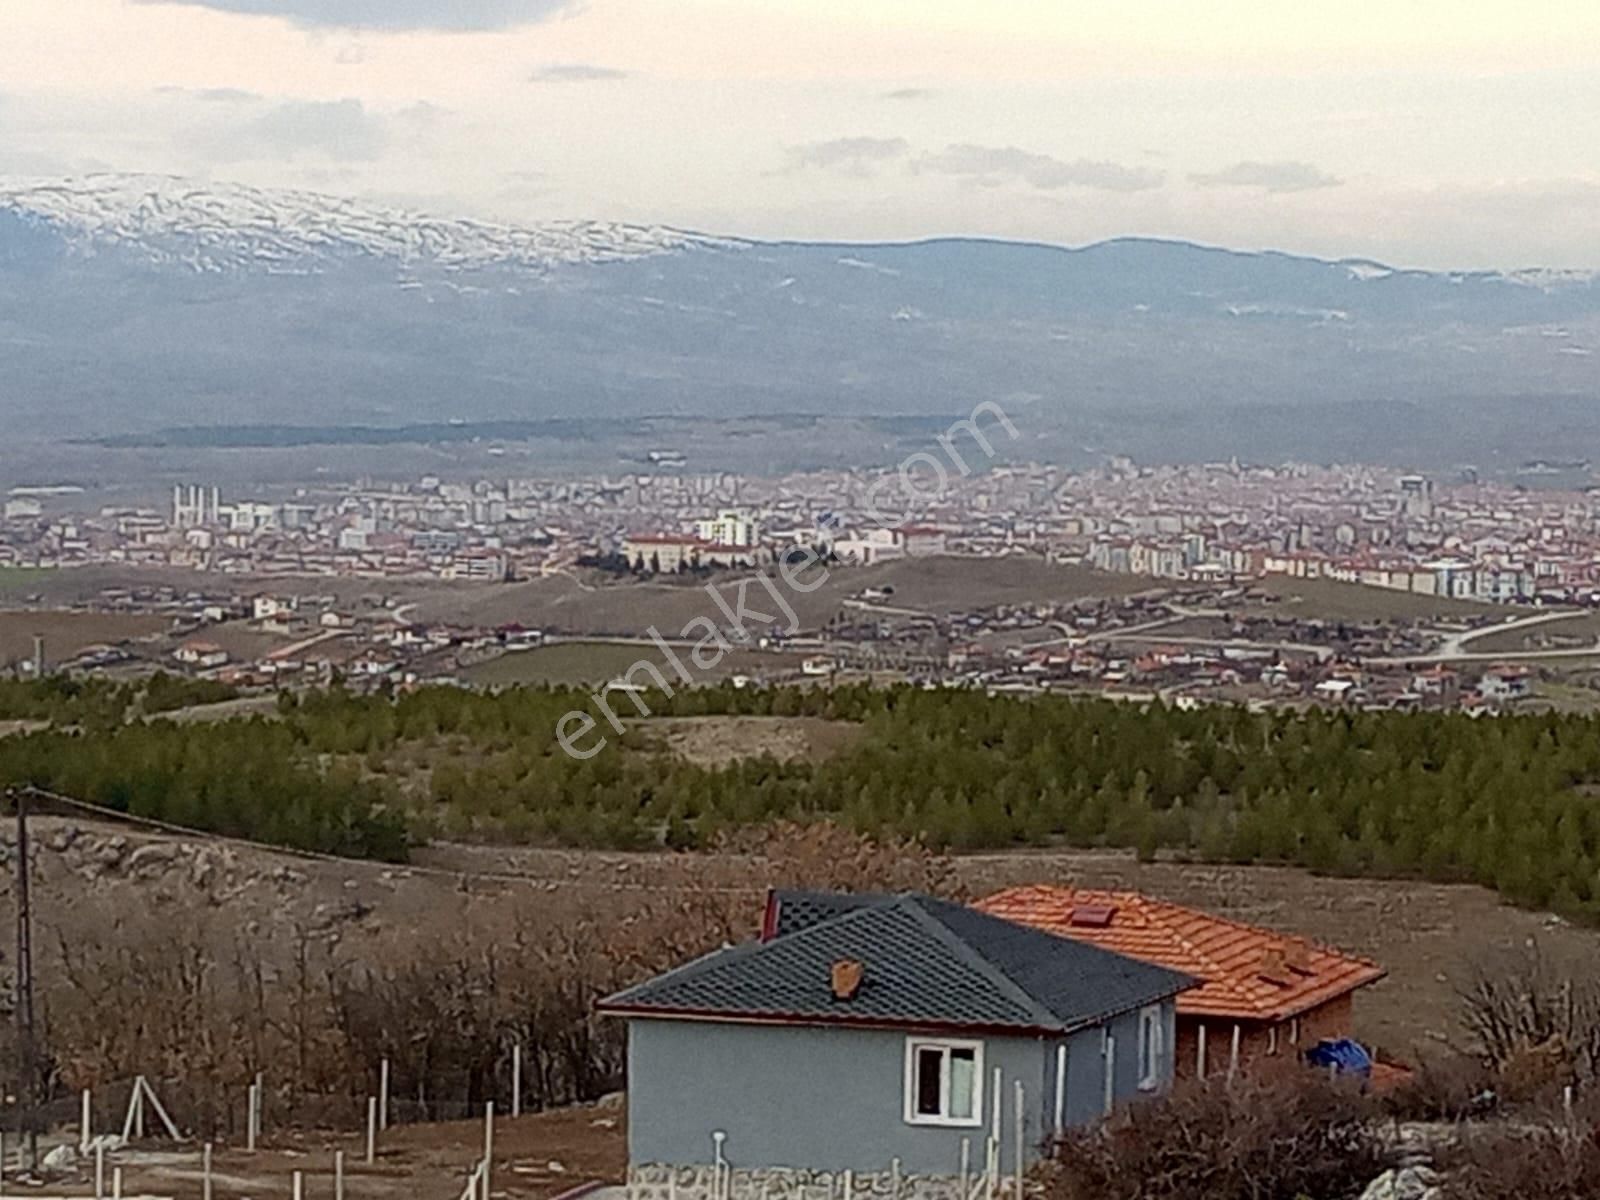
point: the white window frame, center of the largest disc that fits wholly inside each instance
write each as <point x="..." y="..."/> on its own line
<point x="1152" y="1046"/>
<point x="912" y="1116"/>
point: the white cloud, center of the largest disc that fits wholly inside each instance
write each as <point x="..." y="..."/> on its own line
<point x="575" y="73"/>
<point x="447" y="15"/>
<point x="337" y="130"/>
<point x="1269" y="177"/>
<point x="995" y="165"/>
<point x="857" y="156"/>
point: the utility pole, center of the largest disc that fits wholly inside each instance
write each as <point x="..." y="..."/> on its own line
<point x="27" y="1058"/>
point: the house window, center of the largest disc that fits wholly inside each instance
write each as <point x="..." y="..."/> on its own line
<point x="1152" y="1042"/>
<point x="944" y="1082"/>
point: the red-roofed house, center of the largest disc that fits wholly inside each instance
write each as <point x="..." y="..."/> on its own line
<point x="1264" y="994"/>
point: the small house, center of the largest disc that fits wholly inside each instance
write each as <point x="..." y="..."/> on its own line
<point x="204" y="655"/>
<point x="1506" y="682"/>
<point x="896" y="1038"/>
<point x="1262" y="996"/>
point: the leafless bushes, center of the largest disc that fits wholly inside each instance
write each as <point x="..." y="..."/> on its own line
<point x="1519" y="1162"/>
<point x="1289" y="1135"/>
<point x="1445" y="1087"/>
<point x="191" y="998"/>
<point x="1535" y="1022"/>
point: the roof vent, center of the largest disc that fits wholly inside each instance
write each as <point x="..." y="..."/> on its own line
<point x="846" y="978"/>
<point x="1092" y="916"/>
<point x="1273" y="968"/>
<point x="1298" y="959"/>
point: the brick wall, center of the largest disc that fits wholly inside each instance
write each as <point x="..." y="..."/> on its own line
<point x="1261" y="1043"/>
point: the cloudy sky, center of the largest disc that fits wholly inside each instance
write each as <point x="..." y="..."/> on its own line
<point x="1448" y="133"/>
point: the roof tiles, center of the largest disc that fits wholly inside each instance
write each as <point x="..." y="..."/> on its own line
<point x="1246" y="972"/>
<point x="925" y="962"/>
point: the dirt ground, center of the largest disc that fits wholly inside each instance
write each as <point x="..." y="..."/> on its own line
<point x="718" y="741"/>
<point x="536" y="1157"/>
<point x="67" y="633"/>
<point x="1430" y="937"/>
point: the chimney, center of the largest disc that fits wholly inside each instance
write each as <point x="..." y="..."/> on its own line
<point x="1273" y="968"/>
<point x="1298" y="958"/>
<point x="1092" y="916"/>
<point x="846" y="978"/>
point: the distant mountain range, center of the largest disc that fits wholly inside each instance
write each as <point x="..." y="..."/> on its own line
<point x="130" y="304"/>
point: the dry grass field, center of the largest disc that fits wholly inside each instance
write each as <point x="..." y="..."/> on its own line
<point x="631" y="607"/>
<point x="67" y="633"/>
<point x="1579" y="630"/>
<point x="1333" y="601"/>
<point x="718" y="741"/>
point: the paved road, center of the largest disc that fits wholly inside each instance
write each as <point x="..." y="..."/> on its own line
<point x="1454" y="647"/>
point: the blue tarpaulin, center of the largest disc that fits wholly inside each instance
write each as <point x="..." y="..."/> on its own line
<point x="1345" y="1055"/>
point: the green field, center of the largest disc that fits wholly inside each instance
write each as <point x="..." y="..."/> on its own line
<point x="20" y="581"/>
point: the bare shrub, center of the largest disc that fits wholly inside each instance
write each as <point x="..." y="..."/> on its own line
<point x="1535" y="1022"/>
<point x="1289" y="1135"/>
<point x="1445" y="1087"/>
<point x="1506" y="1161"/>
<point x="822" y="855"/>
<point x="191" y="999"/>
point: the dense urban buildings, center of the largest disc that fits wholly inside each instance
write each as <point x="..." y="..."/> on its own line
<point x="1461" y="538"/>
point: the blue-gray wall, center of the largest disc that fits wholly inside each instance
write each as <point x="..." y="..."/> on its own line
<point x="833" y="1098"/>
<point x="1086" y="1065"/>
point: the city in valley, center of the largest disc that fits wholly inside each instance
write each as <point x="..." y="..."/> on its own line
<point x="1288" y="584"/>
<point x="799" y="600"/>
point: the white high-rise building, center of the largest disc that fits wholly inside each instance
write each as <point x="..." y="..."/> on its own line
<point x="1416" y="495"/>
<point x="729" y="528"/>
<point x="194" y="506"/>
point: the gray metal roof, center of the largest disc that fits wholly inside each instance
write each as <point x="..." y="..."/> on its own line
<point x="794" y="910"/>
<point x="928" y="963"/>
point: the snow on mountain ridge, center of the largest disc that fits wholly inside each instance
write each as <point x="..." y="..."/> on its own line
<point x="223" y="227"/>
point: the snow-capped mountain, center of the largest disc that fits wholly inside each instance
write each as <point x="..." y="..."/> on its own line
<point x="226" y="227"/>
<point x="131" y="303"/>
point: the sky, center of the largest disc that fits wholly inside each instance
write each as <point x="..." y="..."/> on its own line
<point x="1433" y="133"/>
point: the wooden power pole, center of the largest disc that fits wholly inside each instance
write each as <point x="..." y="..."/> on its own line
<point x="27" y="1051"/>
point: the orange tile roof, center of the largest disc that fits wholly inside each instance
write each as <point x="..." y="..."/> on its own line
<point x="1248" y="972"/>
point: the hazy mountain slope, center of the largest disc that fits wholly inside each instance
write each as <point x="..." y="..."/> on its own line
<point x="132" y="303"/>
